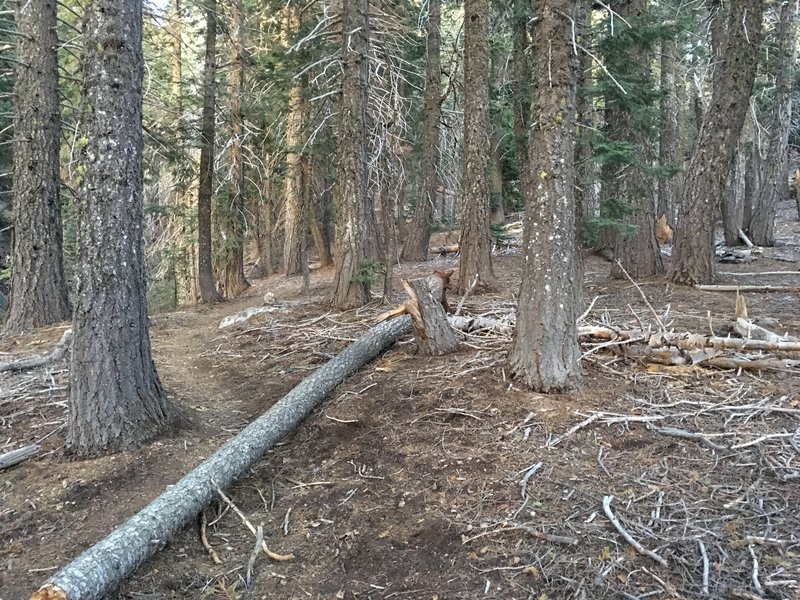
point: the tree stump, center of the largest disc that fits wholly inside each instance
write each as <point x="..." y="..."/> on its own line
<point x="426" y="305"/>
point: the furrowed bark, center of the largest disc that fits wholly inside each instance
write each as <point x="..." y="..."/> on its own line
<point x="101" y="568"/>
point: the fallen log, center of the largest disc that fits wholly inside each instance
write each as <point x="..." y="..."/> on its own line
<point x="9" y="459"/>
<point x="688" y="341"/>
<point x="101" y="568"/>
<point x="34" y="362"/>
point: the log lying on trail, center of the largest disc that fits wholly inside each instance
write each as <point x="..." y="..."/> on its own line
<point x="747" y="288"/>
<point x="101" y="568"/>
<point x="34" y="362"/>
<point x="9" y="459"/>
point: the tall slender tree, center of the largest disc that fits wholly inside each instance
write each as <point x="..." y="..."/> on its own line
<point x="419" y="234"/>
<point x="545" y="351"/>
<point x="668" y="130"/>
<point x="234" y="212"/>
<point x="475" y="241"/>
<point x="353" y="201"/>
<point x="522" y="86"/>
<point x="297" y="171"/>
<point x="776" y="174"/>
<point x="116" y="399"/>
<point x="205" y="190"/>
<point x="38" y="285"/>
<point x="713" y="156"/>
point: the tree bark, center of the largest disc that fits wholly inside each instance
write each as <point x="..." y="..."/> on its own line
<point x="476" y="241"/>
<point x="712" y="159"/>
<point x="264" y="216"/>
<point x="296" y="160"/>
<point x="733" y="201"/>
<point x="545" y="351"/>
<point x="776" y="174"/>
<point x="419" y="234"/>
<point x="38" y="285"/>
<point x="522" y="87"/>
<point x="100" y="569"/>
<point x="208" y="290"/>
<point x="668" y="138"/>
<point x="234" y="218"/>
<point x="116" y="400"/>
<point x="351" y="283"/>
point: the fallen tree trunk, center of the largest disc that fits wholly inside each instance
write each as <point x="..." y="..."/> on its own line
<point x="33" y="362"/>
<point x="9" y="459"/>
<point x="101" y="568"/>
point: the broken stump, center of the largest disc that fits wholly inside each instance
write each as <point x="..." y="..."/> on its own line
<point x="432" y="332"/>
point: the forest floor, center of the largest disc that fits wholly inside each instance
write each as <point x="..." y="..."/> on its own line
<point x="418" y="478"/>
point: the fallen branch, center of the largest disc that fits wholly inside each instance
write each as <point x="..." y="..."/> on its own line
<point x="628" y="538"/>
<point x="253" y="530"/>
<point x="34" y="362"/>
<point x="105" y="565"/>
<point x="747" y="288"/>
<point x="9" y="459"/>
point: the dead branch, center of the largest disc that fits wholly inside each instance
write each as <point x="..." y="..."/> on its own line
<point x="747" y="288"/>
<point x="628" y="538"/>
<point x="34" y="362"/>
<point x="9" y="459"/>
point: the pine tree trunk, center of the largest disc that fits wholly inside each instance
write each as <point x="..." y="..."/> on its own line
<point x="586" y="196"/>
<point x="208" y="291"/>
<point x="320" y="217"/>
<point x="629" y="180"/>
<point x="296" y="162"/>
<point x="419" y="234"/>
<point x="545" y="352"/>
<point x="712" y="160"/>
<point x="668" y="138"/>
<point x="522" y="87"/>
<point x="264" y="214"/>
<point x="735" y="197"/>
<point x="476" y="242"/>
<point x="776" y="173"/>
<point x="234" y="221"/>
<point x="350" y="283"/>
<point x="38" y="286"/>
<point x="116" y="400"/>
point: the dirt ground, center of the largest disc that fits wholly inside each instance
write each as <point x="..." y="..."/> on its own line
<point x="440" y="478"/>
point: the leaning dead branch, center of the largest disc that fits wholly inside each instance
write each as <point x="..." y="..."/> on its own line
<point x="34" y="362"/>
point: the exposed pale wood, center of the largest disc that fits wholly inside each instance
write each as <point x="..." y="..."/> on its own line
<point x="745" y="239"/>
<point x="101" y="568"/>
<point x="9" y="459"/>
<point x="33" y="362"/>
<point x="432" y="332"/>
<point x="748" y="329"/>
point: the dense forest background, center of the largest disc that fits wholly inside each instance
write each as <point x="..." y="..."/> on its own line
<point x="645" y="84"/>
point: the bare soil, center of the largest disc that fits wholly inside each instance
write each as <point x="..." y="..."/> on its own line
<point x="418" y="478"/>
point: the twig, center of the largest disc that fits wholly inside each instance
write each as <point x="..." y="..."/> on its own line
<point x="690" y="436"/>
<point x="628" y="538"/>
<point x="573" y="429"/>
<point x="253" y="556"/>
<point x="588" y="310"/>
<point x="286" y="521"/>
<point x="706" y="566"/>
<point x="464" y="297"/>
<point x="541" y="535"/>
<point x="754" y="574"/>
<point x="644" y="297"/>
<point x="204" y="540"/>
<point x="249" y="525"/>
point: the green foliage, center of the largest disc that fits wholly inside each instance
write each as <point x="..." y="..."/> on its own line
<point x="369" y="272"/>
<point x="500" y="236"/>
